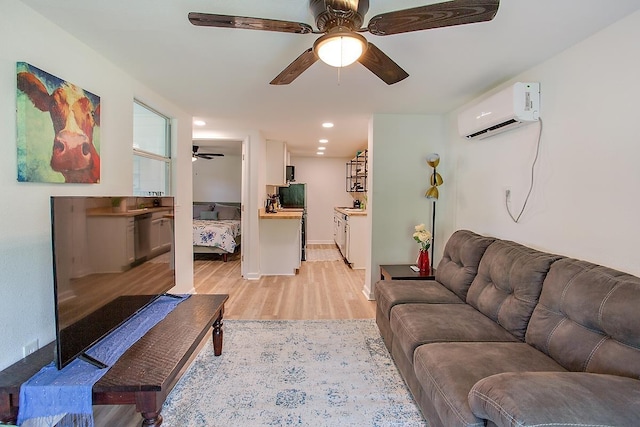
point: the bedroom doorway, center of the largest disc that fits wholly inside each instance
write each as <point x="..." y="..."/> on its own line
<point x="217" y="180"/>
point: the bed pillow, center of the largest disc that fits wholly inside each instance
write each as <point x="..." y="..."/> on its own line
<point x="227" y="212"/>
<point x="209" y="215"/>
<point x="200" y="208"/>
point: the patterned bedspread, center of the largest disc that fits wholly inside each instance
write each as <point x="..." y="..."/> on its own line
<point x="220" y="233"/>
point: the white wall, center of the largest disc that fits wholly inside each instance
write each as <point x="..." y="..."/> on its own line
<point x="399" y="177"/>
<point x="325" y="179"/>
<point x="26" y="280"/>
<point x="218" y="179"/>
<point x="584" y="202"/>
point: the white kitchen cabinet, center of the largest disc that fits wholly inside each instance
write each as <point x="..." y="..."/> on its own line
<point x="339" y="231"/>
<point x="113" y="243"/>
<point x="161" y="235"/>
<point x="276" y="169"/>
<point x="350" y="233"/>
<point x="357" y="243"/>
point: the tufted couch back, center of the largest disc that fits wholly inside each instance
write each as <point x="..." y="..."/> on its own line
<point x="459" y="263"/>
<point x="588" y="319"/>
<point x="509" y="283"/>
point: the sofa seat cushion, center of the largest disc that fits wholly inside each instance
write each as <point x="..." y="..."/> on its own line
<point x="448" y="371"/>
<point x="557" y="399"/>
<point x="389" y="293"/>
<point x="416" y="324"/>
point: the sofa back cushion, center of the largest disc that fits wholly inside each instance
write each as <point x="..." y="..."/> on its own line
<point x="459" y="264"/>
<point x="588" y="319"/>
<point x="509" y="283"/>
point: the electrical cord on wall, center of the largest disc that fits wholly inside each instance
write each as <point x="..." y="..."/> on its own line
<point x="533" y="165"/>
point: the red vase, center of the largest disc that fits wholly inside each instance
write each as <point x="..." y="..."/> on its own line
<point x="423" y="263"/>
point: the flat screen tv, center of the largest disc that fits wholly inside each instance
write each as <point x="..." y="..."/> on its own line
<point x="111" y="257"/>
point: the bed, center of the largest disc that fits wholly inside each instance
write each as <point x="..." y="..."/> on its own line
<point x="216" y="228"/>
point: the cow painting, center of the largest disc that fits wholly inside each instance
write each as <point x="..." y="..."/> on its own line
<point x="59" y="146"/>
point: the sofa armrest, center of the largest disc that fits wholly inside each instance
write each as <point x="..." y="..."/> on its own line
<point x="557" y="398"/>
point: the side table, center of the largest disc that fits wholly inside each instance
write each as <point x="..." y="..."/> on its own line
<point x="404" y="272"/>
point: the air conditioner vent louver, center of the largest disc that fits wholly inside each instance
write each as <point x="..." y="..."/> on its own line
<point x="492" y="128"/>
<point x="515" y="106"/>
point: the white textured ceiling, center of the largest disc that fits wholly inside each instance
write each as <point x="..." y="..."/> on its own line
<point x="222" y="75"/>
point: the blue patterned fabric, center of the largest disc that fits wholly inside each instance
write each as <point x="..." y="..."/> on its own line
<point x="52" y="394"/>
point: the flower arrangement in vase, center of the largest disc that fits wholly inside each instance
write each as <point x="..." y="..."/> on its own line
<point x="423" y="237"/>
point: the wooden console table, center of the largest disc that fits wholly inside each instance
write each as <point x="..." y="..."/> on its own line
<point x="146" y="372"/>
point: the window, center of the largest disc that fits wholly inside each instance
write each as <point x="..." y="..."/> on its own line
<point x="151" y="152"/>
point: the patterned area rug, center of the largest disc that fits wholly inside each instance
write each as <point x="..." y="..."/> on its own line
<point x="323" y="254"/>
<point x="298" y="372"/>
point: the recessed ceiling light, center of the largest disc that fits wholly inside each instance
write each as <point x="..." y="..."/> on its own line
<point x="323" y="141"/>
<point x="199" y="122"/>
<point x="322" y="148"/>
<point x="327" y="125"/>
<point x="320" y="153"/>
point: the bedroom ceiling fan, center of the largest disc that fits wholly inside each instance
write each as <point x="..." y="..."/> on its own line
<point x="195" y="155"/>
<point x="340" y="22"/>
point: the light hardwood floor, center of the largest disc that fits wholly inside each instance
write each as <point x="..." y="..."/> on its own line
<point x="320" y="290"/>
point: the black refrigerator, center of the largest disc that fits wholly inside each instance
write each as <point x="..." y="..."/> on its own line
<point x="295" y="196"/>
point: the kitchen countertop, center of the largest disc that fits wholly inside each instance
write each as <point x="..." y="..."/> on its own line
<point x="290" y="209"/>
<point x="132" y="212"/>
<point x="282" y="214"/>
<point x="351" y="211"/>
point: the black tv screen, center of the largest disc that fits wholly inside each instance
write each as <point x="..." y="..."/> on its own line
<point x="111" y="257"/>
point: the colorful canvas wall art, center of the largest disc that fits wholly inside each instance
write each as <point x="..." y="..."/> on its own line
<point x="58" y="129"/>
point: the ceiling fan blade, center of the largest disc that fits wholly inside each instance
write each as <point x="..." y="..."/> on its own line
<point x="456" y="12"/>
<point x="210" y="155"/>
<point x="228" y="21"/>
<point x="297" y="67"/>
<point x="382" y="66"/>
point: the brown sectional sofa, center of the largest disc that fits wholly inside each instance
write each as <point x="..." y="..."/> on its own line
<point x="510" y="336"/>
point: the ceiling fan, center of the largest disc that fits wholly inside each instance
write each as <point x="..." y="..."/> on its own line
<point x="196" y="155"/>
<point x="341" y="22"/>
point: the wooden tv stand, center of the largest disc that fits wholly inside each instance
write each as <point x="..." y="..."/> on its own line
<point x="146" y="372"/>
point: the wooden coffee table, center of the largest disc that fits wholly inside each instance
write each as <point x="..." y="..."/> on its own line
<point x="403" y="272"/>
<point x="146" y="372"/>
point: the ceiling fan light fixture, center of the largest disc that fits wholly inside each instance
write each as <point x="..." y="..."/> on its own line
<point x="340" y="48"/>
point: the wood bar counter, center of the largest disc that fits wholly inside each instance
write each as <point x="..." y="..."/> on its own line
<point x="146" y="372"/>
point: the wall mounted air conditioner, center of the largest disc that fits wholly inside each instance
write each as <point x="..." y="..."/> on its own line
<point x="515" y="106"/>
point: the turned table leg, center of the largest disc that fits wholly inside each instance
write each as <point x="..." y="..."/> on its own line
<point x="153" y="419"/>
<point x="8" y="413"/>
<point x="217" y="334"/>
<point x="149" y="404"/>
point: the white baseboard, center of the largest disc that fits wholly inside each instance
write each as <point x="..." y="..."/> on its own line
<point x="368" y="295"/>
<point x="320" y="242"/>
